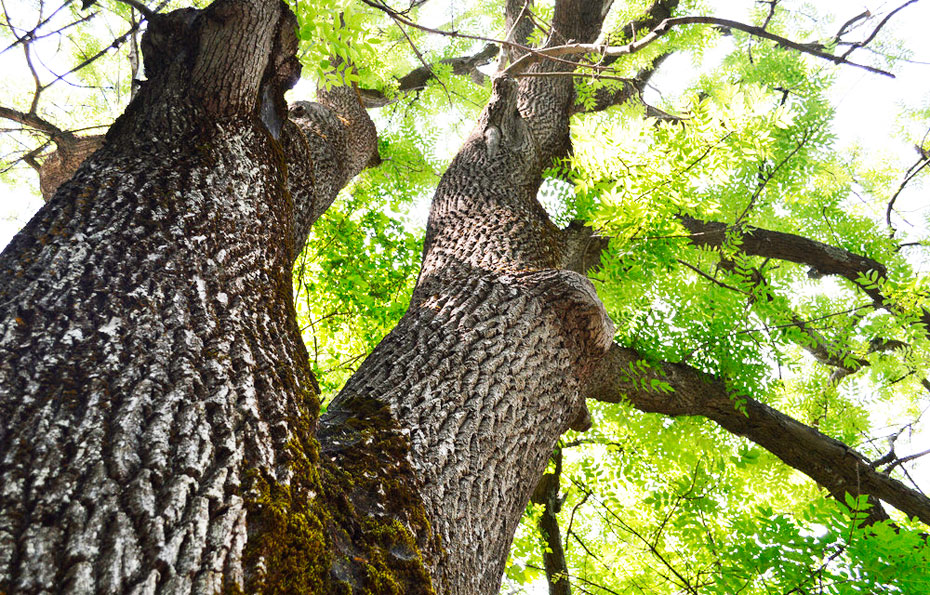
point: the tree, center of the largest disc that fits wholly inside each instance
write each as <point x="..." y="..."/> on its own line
<point x="163" y="424"/>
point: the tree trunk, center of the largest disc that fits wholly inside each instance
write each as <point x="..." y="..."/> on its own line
<point x="160" y="418"/>
<point x="161" y="428"/>
<point x="157" y="403"/>
<point x="490" y="364"/>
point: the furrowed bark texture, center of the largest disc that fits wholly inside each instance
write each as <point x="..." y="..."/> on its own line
<point x="156" y="402"/>
<point x="829" y="462"/>
<point x="489" y="365"/>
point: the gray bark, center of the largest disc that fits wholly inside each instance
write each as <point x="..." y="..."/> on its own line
<point x="152" y="377"/>
<point x="161" y="409"/>
<point x="489" y="365"/>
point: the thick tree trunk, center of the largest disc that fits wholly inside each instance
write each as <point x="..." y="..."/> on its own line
<point x="160" y="420"/>
<point x="157" y="405"/>
<point x="160" y="413"/>
<point x="489" y="365"/>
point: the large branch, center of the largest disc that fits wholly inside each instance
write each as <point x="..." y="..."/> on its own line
<point x="326" y="143"/>
<point x="59" y="165"/>
<point x="831" y="463"/>
<point x="823" y="259"/>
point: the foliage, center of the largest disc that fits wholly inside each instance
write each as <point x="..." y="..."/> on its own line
<point x="656" y="505"/>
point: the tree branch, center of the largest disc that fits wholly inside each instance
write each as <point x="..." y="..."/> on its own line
<point x="417" y="78"/>
<point x="547" y="494"/>
<point x="519" y="26"/>
<point x="823" y="259"/>
<point x="906" y="459"/>
<point x="458" y="35"/>
<point x="606" y="97"/>
<point x="831" y="463"/>
<point x="146" y="12"/>
<point x="663" y="28"/>
<point x="911" y="174"/>
<point x="37" y="123"/>
<point x="878" y="28"/>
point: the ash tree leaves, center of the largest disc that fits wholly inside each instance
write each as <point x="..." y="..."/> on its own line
<point x="353" y="283"/>
<point x="655" y="505"/>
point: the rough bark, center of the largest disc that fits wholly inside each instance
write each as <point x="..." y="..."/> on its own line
<point x="60" y="164"/>
<point x="489" y="364"/>
<point x="161" y="408"/>
<point x="158" y="408"/>
<point x="519" y="27"/>
<point x="161" y="431"/>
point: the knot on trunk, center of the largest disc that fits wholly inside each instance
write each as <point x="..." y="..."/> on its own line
<point x="61" y="164"/>
<point x="583" y="322"/>
<point x="167" y="39"/>
<point x="582" y="247"/>
<point x="502" y="126"/>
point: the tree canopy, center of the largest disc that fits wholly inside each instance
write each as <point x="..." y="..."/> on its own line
<point x="767" y="279"/>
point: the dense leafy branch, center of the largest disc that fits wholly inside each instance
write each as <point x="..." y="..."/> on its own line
<point x="823" y="259"/>
<point x="678" y="389"/>
<point x="825" y="351"/>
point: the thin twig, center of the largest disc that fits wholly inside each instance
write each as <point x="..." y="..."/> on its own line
<point x="914" y="170"/>
<point x="663" y="28"/>
<point x="420" y="57"/>
<point x="768" y="177"/>
<point x="903" y="460"/>
<point x="850" y="23"/>
<point x="574" y="74"/>
<point x="711" y="279"/>
<point x="878" y="28"/>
